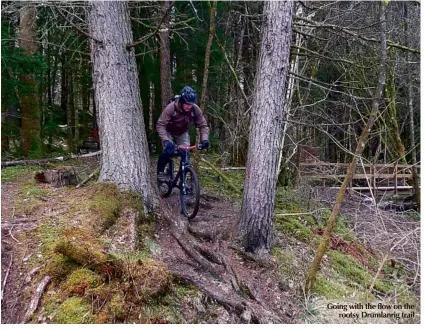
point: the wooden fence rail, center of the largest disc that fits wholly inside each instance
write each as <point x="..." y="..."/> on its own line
<point x="378" y="176"/>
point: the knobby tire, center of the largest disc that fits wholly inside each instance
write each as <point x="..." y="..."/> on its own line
<point x="189" y="210"/>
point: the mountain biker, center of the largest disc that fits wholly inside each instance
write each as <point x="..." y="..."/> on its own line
<point x="173" y="126"/>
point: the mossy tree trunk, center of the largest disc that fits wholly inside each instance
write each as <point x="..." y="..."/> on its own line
<point x="28" y="100"/>
<point x="125" y="159"/>
<point x="311" y="276"/>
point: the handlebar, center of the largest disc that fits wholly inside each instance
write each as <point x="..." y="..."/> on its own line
<point x="182" y="147"/>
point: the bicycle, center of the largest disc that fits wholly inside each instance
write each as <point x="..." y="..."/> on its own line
<point x="185" y="179"/>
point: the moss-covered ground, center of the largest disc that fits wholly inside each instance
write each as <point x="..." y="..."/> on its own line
<point x="73" y="251"/>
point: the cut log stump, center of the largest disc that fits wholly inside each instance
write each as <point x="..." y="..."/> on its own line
<point x="59" y="177"/>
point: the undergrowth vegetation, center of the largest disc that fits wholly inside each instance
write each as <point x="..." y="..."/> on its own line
<point x="348" y="269"/>
<point x="90" y="282"/>
<point x="93" y="281"/>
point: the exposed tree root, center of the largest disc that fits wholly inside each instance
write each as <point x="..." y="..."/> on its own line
<point x="227" y="288"/>
<point x="209" y="234"/>
<point x="209" y="254"/>
<point x="263" y="261"/>
<point x="35" y="301"/>
<point x="237" y="304"/>
<point x="190" y="249"/>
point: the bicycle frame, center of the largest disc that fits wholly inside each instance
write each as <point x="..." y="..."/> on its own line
<point x="184" y="162"/>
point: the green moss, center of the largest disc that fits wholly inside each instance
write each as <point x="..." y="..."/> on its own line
<point x="73" y="311"/>
<point x="285" y="259"/>
<point x="209" y="180"/>
<point x="165" y="308"/>
<point x="106" y="205"/>
<point x="341" y="229"/>
<point x="60" y="267"/>
<point x="180" y="288"/>
<point x="30" y="198"/>
<point x="348" y="267"/>
<point x="31" y="188"/>
<point x="117" y="307"/>
<point x="9" y="174"/>
<point x="331" y="289"/>
<point x="383" y="286"/>
<point x="49" y="232"/>
<point x="145" y="229"/>
<point x="406" y="295"/>
<point x="291" y="226"/>
<point x="81" y="275"/>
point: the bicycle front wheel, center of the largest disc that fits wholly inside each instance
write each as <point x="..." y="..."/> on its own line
<point x="189" y="193"/>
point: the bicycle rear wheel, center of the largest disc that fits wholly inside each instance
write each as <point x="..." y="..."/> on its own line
<point x="189" y="193"/>
<point x="166" y="187"/>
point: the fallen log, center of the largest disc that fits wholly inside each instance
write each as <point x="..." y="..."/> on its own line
<point x="35" y="301"/>
<point x="47" y="160"/>
<point x="95" y="173"/>
<point x="224" y="177"/>
<point x="6" y="276"/>
<point x="89" y="254"/>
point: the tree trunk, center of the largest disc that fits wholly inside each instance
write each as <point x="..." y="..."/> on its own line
<point x="255" y="225"/>
<point x="391" y="95"/>
<point x="311" y="276"/>
<point x="411" y="114"/>
<point x="124" y="146"/>
<point x="70" y="113"/>
<point x="164" y="51"/>
<point x="28" y="100"/>
<point x="208" y="54"/>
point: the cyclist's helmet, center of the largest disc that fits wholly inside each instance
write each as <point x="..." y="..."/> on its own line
<point x="188" y="95"/>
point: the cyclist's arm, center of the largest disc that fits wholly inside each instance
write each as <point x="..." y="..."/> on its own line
<point x="164" y="120"/>
<point x="201" y="123"/>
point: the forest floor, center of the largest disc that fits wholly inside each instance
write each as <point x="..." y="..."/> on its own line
<point x="55" y="240"/>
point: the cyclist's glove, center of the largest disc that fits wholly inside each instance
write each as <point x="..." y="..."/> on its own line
<point x="168" y="147"/>
<point x="205" y="144"/>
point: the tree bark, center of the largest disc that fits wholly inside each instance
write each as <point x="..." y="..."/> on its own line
<point x="255" y="227"/>
<point x="70" y="113"/>
<point x="311" y="276"/>
<point x="164" y="52"/>
<point x="125" y="160"/>
<point x="391" y="94"/>
<point x="30" y="109"/>
<point x="411" y="114"/>
<point x="208" y="54"/>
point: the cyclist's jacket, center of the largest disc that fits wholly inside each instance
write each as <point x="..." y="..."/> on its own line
<point x="176" y="121"/>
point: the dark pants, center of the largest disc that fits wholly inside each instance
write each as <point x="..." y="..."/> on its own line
<point x="163" y="159"/>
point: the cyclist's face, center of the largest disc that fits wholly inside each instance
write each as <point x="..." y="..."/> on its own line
<point x="187" y="107"/>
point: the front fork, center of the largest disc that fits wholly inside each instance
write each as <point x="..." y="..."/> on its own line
<point x="184" y="162"/>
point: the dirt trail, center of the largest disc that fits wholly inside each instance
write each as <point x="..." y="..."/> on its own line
<point x="14" y="254"/>
<point x="255" y="284"/>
